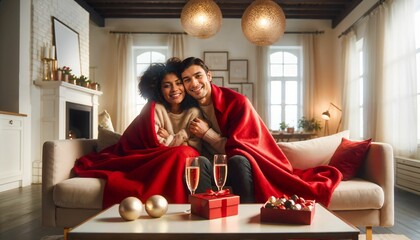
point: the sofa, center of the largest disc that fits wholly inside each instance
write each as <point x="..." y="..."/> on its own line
<point x="365" y="201"/>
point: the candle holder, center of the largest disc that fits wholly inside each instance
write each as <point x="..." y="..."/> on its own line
<point x="49" y="69"/>
<point x="46" y="69"/>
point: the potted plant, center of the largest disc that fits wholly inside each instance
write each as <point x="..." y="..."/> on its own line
<point x="309" y="125"/>
<point x="66" y="72"/>
<point x="94" y="85"/>
<point x="283" y="126"/>
<point x="83" y="81"/>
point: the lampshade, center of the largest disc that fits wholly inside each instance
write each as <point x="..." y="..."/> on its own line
<point x="326" y="115"/>
<point x="263" y="22"/>
<point x="201" y="18"/>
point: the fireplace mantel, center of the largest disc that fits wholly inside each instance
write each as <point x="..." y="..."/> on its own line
<point x="54" y="95"/>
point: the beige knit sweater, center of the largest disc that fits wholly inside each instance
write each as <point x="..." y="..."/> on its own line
<point x="177" y="126"/>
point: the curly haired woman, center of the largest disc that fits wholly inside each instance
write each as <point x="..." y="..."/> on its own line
<point x="174" y="109"/>
<point x="149" y="158"/>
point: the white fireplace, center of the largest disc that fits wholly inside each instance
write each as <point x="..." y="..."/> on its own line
<point x="56" y="97"/>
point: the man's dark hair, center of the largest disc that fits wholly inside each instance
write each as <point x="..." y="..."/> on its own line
<point x="188" y="62"/>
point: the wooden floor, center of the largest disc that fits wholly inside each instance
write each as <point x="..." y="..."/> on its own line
<point x="20" y="215"/>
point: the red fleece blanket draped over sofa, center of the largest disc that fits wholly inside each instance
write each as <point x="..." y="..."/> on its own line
<point x="272" y="173"/>
<point x="138" y="165"/>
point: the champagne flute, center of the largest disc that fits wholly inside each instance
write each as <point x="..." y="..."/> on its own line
<point x="220" y="170"/>
<point x="192" y="173"/>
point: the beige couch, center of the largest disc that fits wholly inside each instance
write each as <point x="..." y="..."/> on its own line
<point x="364" y="201"/>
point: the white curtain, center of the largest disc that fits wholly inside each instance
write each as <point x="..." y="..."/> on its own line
<point x="397" y="106"/>
<point x="176" y="45"/>
<point x="262" y="87"/>
<point x="373" y="49"/>
<point x="126" y="87"/>
<point x="389" y="89"/>
<point x="351" y="90"/>
<point x="307" y="42"/>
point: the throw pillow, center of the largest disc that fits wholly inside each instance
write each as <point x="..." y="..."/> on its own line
<point x="349" y="157"/>
<point x="314" y="152"/>
<point x="104" y="120"/>
<point x="106" y="138"/>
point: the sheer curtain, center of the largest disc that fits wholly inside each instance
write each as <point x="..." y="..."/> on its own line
<point x="308" y="74"/>
<point x="351" y="90"/>
<point x="176" y="45"/>
<point x="389" y="90"/>
<point x="262" y="99"/>
<point x="126" y="87"/>
<point x="373" y="49"/>
<point x="397" y="106"/>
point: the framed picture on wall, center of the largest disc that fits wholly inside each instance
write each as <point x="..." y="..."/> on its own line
<point x="235" y="87"/>
<point x="238" y="71"/>
<point x="218" y="81"/>
<point x="248" y="91"/>
<point x="217" y="61"/>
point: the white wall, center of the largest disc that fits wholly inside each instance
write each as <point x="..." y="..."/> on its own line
<point x="230" y="39"/>
<point x="74" y="16"/>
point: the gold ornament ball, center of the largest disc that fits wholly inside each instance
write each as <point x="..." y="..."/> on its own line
<point x="156" y="206"/>
<point x="130" y="208"/>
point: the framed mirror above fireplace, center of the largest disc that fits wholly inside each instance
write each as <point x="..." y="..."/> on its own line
<point x="66" y="41"/>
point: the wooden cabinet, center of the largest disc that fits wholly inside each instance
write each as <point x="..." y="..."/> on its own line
<point x="11" y="151"/>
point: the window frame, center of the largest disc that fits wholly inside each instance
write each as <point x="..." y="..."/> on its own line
<point x="137" y="51"/>
<point x="296" y="51"/>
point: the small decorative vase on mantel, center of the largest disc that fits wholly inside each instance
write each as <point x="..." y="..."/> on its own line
<point x="59" y="75"/>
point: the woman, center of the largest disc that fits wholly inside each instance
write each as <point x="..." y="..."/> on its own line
<point x="174" y="110"/>
<point x="142" y="164"/>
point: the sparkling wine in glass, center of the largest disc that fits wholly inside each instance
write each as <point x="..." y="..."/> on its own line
<point x="192" y="173"/>
<point x="220" y="170"/>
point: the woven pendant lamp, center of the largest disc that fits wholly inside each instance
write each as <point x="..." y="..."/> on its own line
<point x="263" y="22"/>
<point x="201" y="18"/>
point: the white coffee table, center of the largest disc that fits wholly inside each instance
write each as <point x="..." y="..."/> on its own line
<point x="177" y="224"/>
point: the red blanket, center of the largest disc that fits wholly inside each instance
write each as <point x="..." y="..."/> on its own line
<point x="138" y="165"/>
<point x="273" y="175"/>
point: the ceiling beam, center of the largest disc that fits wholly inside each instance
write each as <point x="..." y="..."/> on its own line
<point x="93" y="15"/>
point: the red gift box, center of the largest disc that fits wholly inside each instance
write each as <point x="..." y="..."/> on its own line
<point x="212" y="206"/>
<point x="287" y="216"/>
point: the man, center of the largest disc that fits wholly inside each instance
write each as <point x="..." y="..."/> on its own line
<point x="257" y="168"/>
<point x="196" y="78"/>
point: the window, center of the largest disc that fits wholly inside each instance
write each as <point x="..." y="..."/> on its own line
<point x="285" y="80"/>
<point x="143" y="57"/>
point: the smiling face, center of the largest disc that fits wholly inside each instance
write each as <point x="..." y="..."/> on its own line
<point x="197" y="83"/>
<point x="173" y="91"/>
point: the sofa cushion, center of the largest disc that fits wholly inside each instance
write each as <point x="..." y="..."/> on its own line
<point x="104" y="121"/>
<point x="349" y="157"/>
<point x="106" y="138"/>
<point x="84" y="193"/>
<point x="313" y="152"/>
<point x="357" y="194"/>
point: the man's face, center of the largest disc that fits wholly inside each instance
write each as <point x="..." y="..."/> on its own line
<point x="197" y="84"/>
